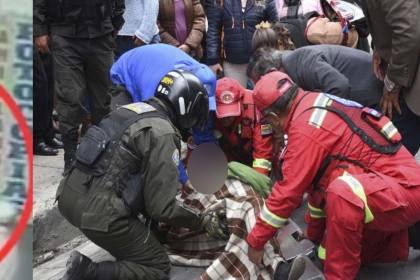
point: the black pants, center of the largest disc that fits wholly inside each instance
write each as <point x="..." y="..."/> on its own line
<point x="81" y="68"/>
<point x="408" y="124"/>
<point x="43" y="97"/>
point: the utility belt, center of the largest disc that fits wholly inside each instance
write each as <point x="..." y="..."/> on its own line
<point x="100" y="144"/>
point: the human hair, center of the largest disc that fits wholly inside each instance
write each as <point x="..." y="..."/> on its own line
<point x="264" y="37"/>
<point x="262" y="61"/>
<point x="284" y="39"/>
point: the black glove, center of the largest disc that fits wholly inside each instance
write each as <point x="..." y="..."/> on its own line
<point x="215" y="225"/>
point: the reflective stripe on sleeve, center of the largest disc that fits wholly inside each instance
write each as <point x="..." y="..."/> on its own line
<point x="261" y="163"/>
<point x="316" y="213"/>
<point x="389" y="130"/>
<point x="272" y="219"/>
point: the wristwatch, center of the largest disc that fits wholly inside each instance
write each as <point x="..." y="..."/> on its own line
<point x="390" y="85"/>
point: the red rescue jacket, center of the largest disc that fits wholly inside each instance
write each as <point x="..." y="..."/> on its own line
<point x="314" y="134"/>
<point x="247" y="140"/>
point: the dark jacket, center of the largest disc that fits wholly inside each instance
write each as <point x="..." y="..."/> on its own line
<point x="338" y="70"/>
<point x="77" y="18"/>
<point x="146" y="161"/>
<point x="195" y="18"/>
<point x="395" y="29"/>
<point x="237" y="26"/>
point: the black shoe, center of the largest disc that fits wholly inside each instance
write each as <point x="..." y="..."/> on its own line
<point x="43" y="149"/>
<point x="79" y="267"/>
<point x="55" y="143"/>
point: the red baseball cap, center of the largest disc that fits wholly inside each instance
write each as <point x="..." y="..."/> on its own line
<point x="268" y="90"/>
<point x="228" y="98"/>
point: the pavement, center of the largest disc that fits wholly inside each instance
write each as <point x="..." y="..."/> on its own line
<point x="54" y="238"/>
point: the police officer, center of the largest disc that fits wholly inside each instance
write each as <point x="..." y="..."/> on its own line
<point x="80" y="35"/>
<point x="126" y="166"/>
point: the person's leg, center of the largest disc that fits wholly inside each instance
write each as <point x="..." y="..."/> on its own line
<point x="408" y="125"/>
<point x="343" y="240"/>
<point x="97" y="68"/>
<point x="236" y="72"/>
<point x="70" y="88"/>
<point x="138" y="253"/>
<point x="42" y="112"/>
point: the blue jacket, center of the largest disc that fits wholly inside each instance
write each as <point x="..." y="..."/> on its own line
<point x="141" y="69"/>
<point x="238" y="27"/>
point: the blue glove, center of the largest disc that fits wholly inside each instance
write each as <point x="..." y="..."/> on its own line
<point x="183" y="177"/>
<point x="206" y="135"/>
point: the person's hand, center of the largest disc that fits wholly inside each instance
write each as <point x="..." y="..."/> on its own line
<point x="215" y="225"/>
<point x="389" y="101"/>
<point x="216" y="68"/>
<point x="185" y="48"/>
<point x="376" y="65"/>
<point x="138" y="42"/>
<point x="255" y="256"/>
<point x="41" y="42"/>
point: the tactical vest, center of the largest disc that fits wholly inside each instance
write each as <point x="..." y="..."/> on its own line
<point x="373" y="128"/>
<point x="100" y="153"/>
<point x="78" y="11"/>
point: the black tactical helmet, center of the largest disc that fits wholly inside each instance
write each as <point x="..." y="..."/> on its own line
<point x="187" y="97"/>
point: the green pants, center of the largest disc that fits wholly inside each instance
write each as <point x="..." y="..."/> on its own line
<point x="105" y="220"/>
<point x="81" y="74"/>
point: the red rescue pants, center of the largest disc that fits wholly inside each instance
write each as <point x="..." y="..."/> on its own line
<point x="350" y="242"/>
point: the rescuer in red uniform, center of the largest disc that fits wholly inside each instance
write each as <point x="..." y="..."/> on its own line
<point x="364" y="187"/>
<point x="238" y="129"/>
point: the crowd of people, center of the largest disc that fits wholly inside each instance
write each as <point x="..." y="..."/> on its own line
<point x="291" y="88"/>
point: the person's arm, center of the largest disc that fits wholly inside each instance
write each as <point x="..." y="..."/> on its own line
<point x="196" y="35"/>
<point x="302" y="160"/>
<point x="149" y="14"/>
<point x="402" y="16"/>
<point x="117" y="15"/>
<point x="40" y="18"/>
<point x="214" y="32"/>
<point x="262" y="148"/>
<point x="41" y="38"/>
<point x="161" y="185"/>
<point x="165" y="37"/>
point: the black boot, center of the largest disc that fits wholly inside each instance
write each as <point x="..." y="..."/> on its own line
<point x="80" y="267"/>
<point x="70" y="147"/>
<point x="54" y="143"/>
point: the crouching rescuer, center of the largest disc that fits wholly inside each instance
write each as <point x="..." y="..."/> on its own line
<point x="126" y="166"/>
<point x="364" y="187"/>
